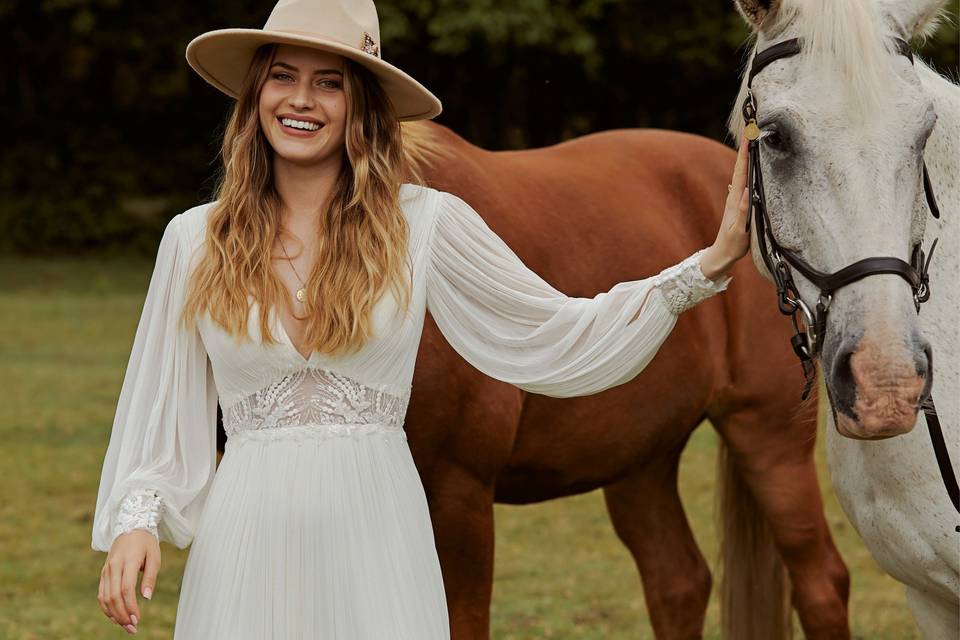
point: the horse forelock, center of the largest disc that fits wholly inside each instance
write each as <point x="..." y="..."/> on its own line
<point x="844" y="37"/>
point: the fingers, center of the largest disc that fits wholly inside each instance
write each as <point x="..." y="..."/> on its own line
<point x="128" y="586"/>
<point x="115" y="593"/>
<point x="743" y="210"/>
<point x="102" y="594"/>
<point x="114" y="598"/>
<point x="739" y="180"/>
<point x="118" y="580"/>
<point x="150" y="569"/>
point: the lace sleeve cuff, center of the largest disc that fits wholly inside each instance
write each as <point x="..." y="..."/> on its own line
<point x="684" y="285"/>
<point x="139" y="509"/>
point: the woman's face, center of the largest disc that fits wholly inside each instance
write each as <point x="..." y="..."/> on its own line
<point x="303" y="108"/>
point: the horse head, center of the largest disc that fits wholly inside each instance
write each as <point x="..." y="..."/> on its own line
<point x="842" y="128"/>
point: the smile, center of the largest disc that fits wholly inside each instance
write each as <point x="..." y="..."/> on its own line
<point x="304" y="126"/>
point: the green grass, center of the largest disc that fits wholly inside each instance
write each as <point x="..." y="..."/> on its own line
<point x="66" y="327"/>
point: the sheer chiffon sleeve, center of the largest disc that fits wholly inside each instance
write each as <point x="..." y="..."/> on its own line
<point x="510" y="324"/>
<point x="161" y="457"/>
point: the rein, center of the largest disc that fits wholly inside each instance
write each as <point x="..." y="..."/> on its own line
<point x="810" y="324"/>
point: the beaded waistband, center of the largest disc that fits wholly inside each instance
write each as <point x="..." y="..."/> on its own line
<point x="315" y="432"/>
<point x="318" y="400"/>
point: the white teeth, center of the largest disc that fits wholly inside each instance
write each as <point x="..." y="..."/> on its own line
<point x="300" y="124"/>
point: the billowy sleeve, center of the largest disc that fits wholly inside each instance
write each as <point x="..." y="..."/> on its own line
<point x="161" y="458"/>
<point x="510" y="324"/>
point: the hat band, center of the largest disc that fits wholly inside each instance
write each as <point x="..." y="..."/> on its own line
<point x="367" y="44"/>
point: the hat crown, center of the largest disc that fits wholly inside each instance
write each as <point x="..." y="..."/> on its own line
<point x="352" y="22"/>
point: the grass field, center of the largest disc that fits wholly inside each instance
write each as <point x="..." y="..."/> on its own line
<point x="66" y="327"/>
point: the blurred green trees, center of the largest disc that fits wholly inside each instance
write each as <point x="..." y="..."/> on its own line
<point x="109" y="132"/>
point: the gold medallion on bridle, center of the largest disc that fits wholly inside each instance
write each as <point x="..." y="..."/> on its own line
<point x="752" y="131"/>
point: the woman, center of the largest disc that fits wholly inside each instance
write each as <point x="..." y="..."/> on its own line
<point x="297" y="299"/>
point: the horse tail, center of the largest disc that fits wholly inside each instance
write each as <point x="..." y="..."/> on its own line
<point x="754" y="585"/>
<point x="420" y="148"/>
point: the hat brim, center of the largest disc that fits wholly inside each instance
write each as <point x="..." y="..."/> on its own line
<point x="222" y="58"/>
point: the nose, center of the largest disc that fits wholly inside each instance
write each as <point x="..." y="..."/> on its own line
<point x="877" y="384"/>
<point x="301" y="98"/>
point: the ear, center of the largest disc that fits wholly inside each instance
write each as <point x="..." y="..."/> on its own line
<point x="758" y="13"/>
<point x="914" y="18"/>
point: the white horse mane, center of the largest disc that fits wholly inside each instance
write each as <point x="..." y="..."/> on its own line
<point x="847" y="35"/>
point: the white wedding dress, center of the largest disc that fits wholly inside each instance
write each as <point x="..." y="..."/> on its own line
<point x="315" y="525"/>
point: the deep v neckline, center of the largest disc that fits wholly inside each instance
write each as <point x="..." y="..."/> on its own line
<point x="289" y="341"/>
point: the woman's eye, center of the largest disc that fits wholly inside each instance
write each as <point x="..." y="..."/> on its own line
<point x="329" y="84"/>
<point x="281" y="76"/>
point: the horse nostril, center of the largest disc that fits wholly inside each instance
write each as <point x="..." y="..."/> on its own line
<point x="927" y="362"/>
<point x="924" y="362"/>
<point x="844" y="386"/>
<point x="922" y="357"/>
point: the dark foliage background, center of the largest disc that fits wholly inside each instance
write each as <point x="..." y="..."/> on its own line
<point x="109" y="132"/>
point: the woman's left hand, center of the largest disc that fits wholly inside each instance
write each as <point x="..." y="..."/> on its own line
<point x="733" y="241"/>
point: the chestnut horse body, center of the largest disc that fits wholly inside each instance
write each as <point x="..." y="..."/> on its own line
<point x="585" y="215"/>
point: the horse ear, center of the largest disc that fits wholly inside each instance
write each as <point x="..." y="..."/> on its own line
<point x="757" y="12"/>
<point x="914" y="18"/>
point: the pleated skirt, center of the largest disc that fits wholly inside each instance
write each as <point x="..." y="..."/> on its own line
<point x="309" y="533"/>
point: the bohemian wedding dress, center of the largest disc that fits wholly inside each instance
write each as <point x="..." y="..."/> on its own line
<point x="315" y="525"/>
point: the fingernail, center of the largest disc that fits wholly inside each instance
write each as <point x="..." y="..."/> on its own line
<point x="130" y="629"/>
<point x="148" y="593"/>
<point x="135" y="621"/>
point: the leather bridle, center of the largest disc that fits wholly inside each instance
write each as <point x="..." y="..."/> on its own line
<point x="807" y="340"/>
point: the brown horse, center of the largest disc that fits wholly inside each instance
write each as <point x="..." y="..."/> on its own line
<point x="586" y="214"/>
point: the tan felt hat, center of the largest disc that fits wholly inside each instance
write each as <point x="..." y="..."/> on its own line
<point x="349" y="28"/>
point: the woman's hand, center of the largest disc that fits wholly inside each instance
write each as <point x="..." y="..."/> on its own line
<point x="129" y="553"/>
<point x="733" y="241"/>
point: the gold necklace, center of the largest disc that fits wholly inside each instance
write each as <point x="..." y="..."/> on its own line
<point x="301" y="292"/>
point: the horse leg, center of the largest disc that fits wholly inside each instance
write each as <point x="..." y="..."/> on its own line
<point x="775" y="458"/>
<point x="938" y="619"/>
<point x="648" y="517"/>
<point x="461" y="508"/>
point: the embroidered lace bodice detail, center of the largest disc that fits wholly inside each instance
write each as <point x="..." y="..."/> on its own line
<point x="683" y="285"/>
<point x="315" y="396"/>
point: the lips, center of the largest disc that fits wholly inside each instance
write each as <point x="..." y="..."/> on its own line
<point x="291" y="127"/>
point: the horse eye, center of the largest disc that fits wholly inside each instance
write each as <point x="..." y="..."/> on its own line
<point x="772" y="138"/>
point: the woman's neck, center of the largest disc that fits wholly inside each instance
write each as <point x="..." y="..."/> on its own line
<point x="305" y="191"/>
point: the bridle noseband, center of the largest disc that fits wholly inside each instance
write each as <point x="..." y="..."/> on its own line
<point x="807" y="340"/>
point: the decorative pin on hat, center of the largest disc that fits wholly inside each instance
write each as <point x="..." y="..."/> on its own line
<point x="369" y="45"/>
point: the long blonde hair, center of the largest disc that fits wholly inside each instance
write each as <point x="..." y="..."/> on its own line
<point x="362" y="247"/>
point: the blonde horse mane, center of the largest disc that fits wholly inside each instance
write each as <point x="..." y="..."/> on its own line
<point x="420" y="148"/>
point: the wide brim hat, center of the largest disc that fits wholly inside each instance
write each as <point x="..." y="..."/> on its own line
<point x="349" y="28"/>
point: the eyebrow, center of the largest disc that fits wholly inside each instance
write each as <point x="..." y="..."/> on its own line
<point x="316" y="72"/>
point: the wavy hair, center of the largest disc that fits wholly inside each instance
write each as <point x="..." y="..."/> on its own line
<point x="362" y="247"/>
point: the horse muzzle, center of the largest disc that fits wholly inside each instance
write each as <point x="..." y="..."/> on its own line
<point x="878" y="383"/>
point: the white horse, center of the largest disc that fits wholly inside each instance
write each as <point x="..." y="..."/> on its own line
<point x="848" y="123"/>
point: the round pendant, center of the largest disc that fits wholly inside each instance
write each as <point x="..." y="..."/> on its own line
<point x="301" y="295"/>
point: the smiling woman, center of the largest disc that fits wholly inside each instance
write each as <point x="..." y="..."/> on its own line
<point x="296" y="105"/>
<point x="315" y="524"/>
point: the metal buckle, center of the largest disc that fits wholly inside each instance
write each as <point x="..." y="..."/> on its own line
<point x="920" y="295"/>
<point x="809" y="321"/>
